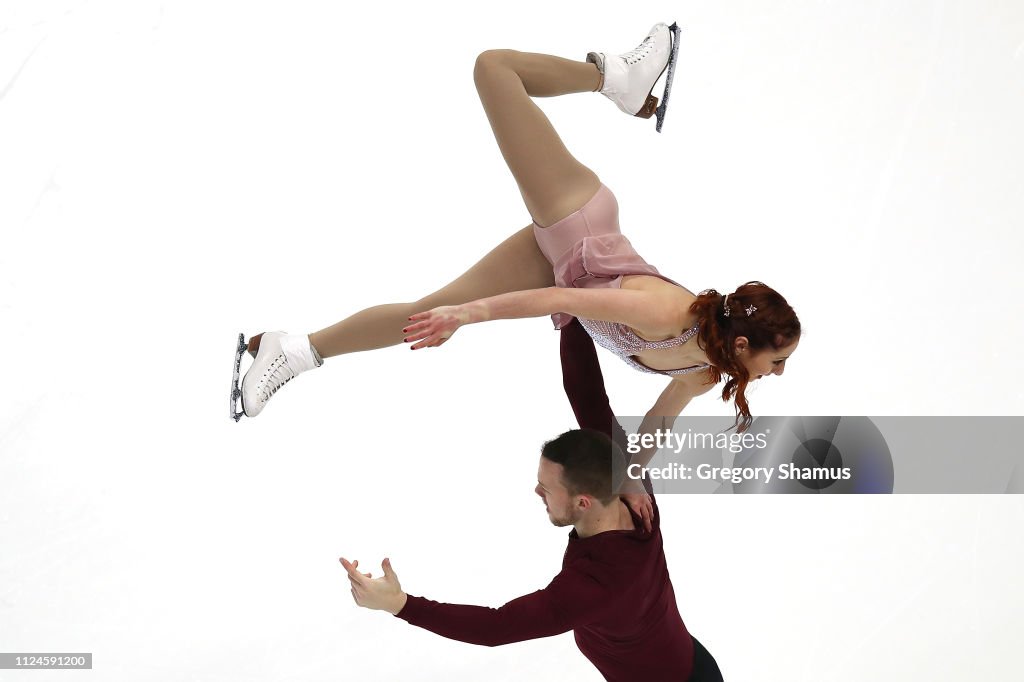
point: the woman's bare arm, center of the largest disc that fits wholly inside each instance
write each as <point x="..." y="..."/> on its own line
<point x="649" y="312"/>
<point x="662" y="415"/>
<point x="669" y="405"/>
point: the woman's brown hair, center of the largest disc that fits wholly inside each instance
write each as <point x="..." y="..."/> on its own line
<point x="772" y="324"/>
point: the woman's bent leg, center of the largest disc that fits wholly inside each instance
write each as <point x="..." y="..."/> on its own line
<point x="552" y="182"/>
<point x="514" y="265"/>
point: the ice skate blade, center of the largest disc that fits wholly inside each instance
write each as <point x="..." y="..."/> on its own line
<point x="236" y="392"/>
<point x="663" y="109"/>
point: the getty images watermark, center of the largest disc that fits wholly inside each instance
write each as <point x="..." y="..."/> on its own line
<point x="672" y="441"/>
<point x="827" y="455"/>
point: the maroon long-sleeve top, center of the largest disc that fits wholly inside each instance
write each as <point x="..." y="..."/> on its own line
<point x="614" y="590"/>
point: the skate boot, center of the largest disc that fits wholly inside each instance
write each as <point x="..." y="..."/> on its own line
<point x="629" y="78"/>
<point x="279" y="358"/>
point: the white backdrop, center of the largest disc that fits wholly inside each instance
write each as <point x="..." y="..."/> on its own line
<point x="174" y="173"/>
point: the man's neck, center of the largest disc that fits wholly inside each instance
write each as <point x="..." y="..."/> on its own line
<point x="615" y="516"/>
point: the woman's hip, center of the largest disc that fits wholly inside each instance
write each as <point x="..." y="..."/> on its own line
<point x="599" y="216"/>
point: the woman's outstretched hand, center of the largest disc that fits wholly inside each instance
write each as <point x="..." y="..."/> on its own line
<point x="436" y="326"/>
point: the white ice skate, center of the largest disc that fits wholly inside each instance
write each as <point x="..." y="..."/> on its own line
<point x="629" y="78"/>
<point x="280" y="358"/>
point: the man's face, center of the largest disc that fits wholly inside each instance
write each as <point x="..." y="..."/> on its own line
<point x="557" y="500"/>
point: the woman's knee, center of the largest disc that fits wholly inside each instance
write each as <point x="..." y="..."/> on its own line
<point x="490" y="60"/>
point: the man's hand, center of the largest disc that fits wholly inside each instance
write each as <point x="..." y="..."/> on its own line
<point x="641" y="504"/>
<point x="384" y="593"/>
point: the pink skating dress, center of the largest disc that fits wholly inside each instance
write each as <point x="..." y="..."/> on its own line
<point x="587" y="250"/>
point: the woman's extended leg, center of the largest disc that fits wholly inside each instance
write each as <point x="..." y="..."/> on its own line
<point x="553" y="183"/>
<point x="514" y="265"/>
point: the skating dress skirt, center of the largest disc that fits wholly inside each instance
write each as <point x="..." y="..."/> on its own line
<point x="587" y="251"/>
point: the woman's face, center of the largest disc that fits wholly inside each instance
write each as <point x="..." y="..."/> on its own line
<point x="764" y="362"/>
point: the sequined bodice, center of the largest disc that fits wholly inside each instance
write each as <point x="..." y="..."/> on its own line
<point x="621" y="340"/>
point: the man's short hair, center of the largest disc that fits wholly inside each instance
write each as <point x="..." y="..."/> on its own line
<point x="591" y="462"/>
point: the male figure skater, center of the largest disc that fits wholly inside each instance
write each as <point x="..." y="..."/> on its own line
<point x="614" y="590"/>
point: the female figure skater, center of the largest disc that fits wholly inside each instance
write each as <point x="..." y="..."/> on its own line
<point x="571" y="261"/>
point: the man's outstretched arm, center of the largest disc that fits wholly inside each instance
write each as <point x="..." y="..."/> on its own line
<point x="571" y="599"/>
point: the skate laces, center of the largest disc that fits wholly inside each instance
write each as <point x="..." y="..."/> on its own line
<point x="639" y="52"/>
<point x="277" y="375"/>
